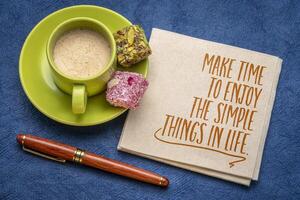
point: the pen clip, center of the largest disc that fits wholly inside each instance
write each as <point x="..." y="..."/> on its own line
<point x="43" y="155"/>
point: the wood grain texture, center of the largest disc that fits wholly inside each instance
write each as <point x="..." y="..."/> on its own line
<point x="66" y="152"/>
<point x="46" y="146"/>
<point x="123" y="169"/>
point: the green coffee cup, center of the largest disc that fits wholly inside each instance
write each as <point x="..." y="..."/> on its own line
<point x="80" y="88"/>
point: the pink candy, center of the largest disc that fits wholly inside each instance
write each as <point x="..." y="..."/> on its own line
<point x="126" y="89"/>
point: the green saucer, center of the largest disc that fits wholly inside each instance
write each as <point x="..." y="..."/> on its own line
<point x="35" y="71"/>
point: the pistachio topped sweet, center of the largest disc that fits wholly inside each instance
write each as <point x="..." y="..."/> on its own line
<point x="132" y="45"/>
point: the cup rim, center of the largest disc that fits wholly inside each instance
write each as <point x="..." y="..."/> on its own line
<point x="111" y="41"/>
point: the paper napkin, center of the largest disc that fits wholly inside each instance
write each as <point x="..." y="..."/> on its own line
<point x="207" y="108"/>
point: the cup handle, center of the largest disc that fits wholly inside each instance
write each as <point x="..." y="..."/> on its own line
<point x="79" y="99"/>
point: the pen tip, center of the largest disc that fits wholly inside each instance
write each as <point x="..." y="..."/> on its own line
<point x="165" y="182"/>
<point x="19" y="138"/>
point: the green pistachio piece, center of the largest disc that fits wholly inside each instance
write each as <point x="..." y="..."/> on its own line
<point x="132" y="45"/>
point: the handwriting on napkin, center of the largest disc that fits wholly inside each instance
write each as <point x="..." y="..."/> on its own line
<point x="196" y="130"/>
